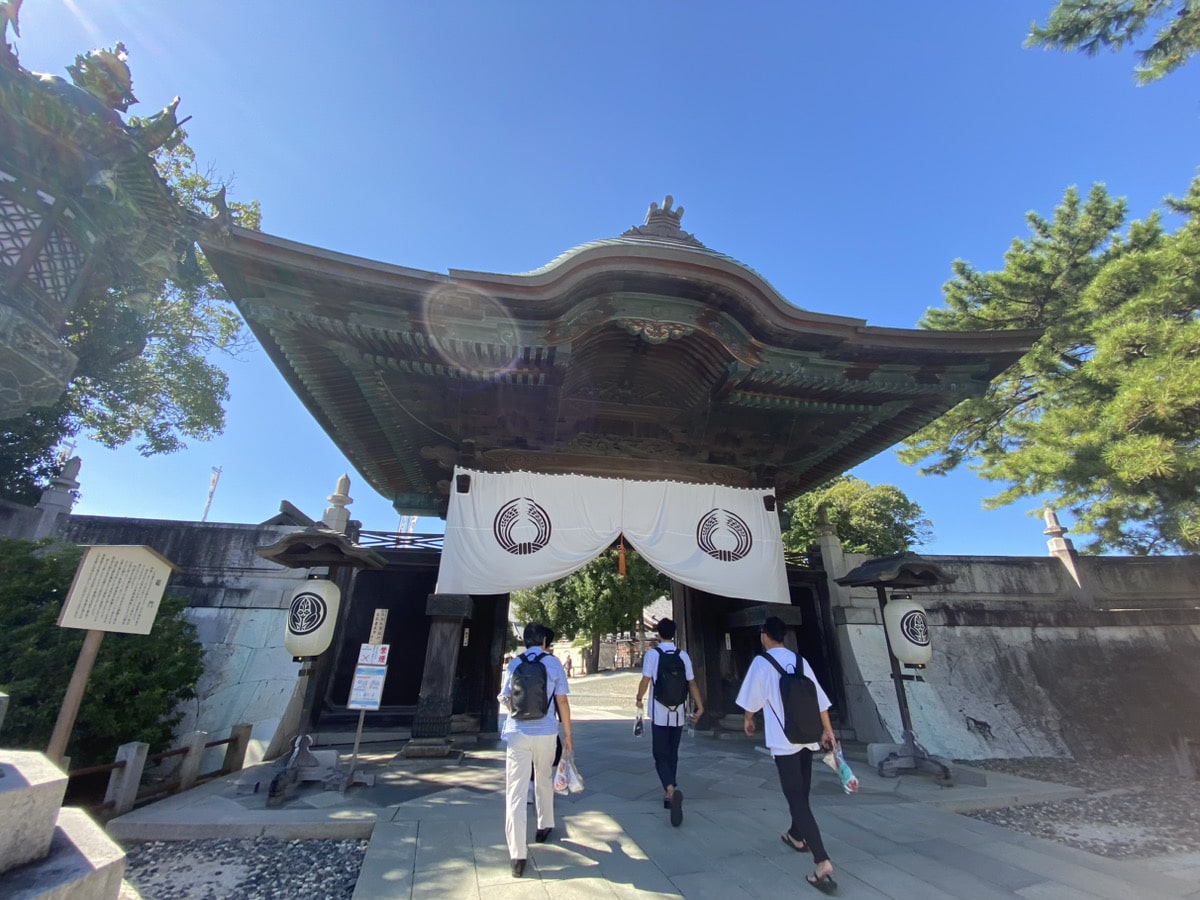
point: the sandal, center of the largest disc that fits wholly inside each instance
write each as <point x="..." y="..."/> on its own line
<point x="823" y="883"/>
<point x="798" y="846"/>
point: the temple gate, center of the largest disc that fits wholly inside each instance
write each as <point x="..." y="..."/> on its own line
<point x="647" y="358"/>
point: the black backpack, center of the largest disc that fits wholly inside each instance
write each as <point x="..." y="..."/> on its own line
<point x="530" y="696"/>
<point x="670" y="685"/>
<point x="801" y="710"/>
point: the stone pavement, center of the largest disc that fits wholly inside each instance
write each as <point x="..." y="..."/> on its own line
<point x="437" y="829"/>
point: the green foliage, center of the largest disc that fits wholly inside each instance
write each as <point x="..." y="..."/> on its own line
<point x="145" y="350"/>
<point x="1091" y="25"/>
<point x="1103" y="414"/>
<point x="136" y="685"/>
<point x="596" y="599"/>
<point x="26" y="458"/>
<point x="878" y="520"/>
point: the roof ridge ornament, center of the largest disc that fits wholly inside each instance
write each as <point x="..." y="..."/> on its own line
<point x="10" y="14"/>
<point x="663" y="223"/>
<point x="105" y="75"/>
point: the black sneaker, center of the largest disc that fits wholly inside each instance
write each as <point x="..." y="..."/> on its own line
<point x="518" y="868"/>
<point x="542" y="834"/>
<point x="676" y="805"/>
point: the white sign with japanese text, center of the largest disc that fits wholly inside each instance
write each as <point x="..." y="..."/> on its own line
<point x="373" y="654"/>
<point x="366" y="692"/>
<point x="116" y="588"/>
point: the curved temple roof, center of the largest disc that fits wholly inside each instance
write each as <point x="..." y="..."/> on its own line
<point x="644" y="356"/>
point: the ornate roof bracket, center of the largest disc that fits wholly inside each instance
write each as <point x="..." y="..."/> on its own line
<point x="656" y="332"/>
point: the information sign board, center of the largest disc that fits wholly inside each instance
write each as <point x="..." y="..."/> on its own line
<point x="116" y="588"/>
<point x="366" y="691"/>
<point x="373" y="654"/>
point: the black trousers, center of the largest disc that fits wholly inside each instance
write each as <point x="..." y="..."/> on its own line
<point x="795" y="777"/>
<point x="665" y="742"/>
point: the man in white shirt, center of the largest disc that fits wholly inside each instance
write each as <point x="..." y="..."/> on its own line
<point x="530" y="743"/>
<point x="666" y="722"/>
<point x="760" y="690"/>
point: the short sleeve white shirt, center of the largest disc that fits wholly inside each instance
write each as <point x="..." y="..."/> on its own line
<point x="760" y="690"/>
<point x="556" y="686"/>
<point x="662" y="715"/>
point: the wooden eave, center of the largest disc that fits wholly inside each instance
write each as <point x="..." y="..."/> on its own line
<point x="621" y="358"/>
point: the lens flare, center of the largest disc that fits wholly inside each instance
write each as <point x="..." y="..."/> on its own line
<point x="472" y="332"/>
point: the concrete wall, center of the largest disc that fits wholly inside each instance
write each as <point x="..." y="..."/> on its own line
<point x="1022" y="666"/>
<point x="17" y="521"/>
<point x="239" y="605"/>
<point x="1033" y="656"/>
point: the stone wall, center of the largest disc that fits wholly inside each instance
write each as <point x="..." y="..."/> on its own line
<point x="1028" y="663"/>
<point x="238" y="603"/>
<point x="17" y="521"/>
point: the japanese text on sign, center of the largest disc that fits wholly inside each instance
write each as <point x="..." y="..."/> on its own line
<point x="373" y="654"/>
<point x="366" y="691"/>
<point x="378" y="623"/>
<point x="116" y="588"/>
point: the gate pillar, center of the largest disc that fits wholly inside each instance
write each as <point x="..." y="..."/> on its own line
<point x="434" y="705"/>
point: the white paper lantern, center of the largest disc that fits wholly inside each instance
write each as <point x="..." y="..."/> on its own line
<point x="312" y="618"/>
<point x="908" y="631"/>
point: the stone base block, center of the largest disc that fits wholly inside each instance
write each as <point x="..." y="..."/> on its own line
<point x="427" y="748"/>
<point x="31" y="794"/>
<point x="83" y="864"/>
<point x="877" y="753"/>
<point x="321" y="764"/>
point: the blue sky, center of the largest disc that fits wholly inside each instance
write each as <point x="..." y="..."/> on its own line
<point x="847" y="152"/>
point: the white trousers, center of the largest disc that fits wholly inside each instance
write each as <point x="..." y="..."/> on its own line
<point x="523" y="752"/>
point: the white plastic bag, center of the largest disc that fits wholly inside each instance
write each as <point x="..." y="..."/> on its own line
<point x="837" y="762"/>
<point x="574" y="779"/>
<point x="566" y="777"/>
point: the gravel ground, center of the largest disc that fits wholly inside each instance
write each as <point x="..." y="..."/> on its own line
<point x="1136" y="806"/>
<point x="260" y="869"/>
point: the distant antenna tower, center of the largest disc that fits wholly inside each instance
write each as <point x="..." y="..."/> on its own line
<point x="212" y="489"/>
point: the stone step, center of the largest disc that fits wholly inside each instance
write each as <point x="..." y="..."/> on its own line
<point x="83" y="864"/>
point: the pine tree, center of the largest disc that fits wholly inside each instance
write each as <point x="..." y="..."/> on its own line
<point x="1103" y="414"/>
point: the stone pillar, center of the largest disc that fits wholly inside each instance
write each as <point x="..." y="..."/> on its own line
<point x="337" y="517"/>
<point x="833" y="558"/>
<point x="57" y="500"/>
<point x="47" y="850"/>
<point x="123" y="783"/>
<point x="448" y="611"/>
<point x="858" y="707"/>
<point x="1063" y="549"/>
<point x="189" y="769"/>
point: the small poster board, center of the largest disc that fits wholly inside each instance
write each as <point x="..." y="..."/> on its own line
<point x="366" y="691"/>
<point x="116" y="588"/>
<point x="373" y="654"/>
